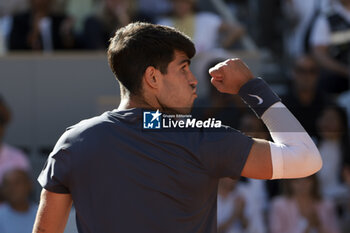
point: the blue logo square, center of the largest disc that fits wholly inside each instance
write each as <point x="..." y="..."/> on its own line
<point x="152" y="120"/>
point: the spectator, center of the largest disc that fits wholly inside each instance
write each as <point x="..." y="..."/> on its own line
<point x="7" y="9"/>
<point x="334" y="148"/>
<point x="300" y="17"/>
<point x="114" y="14"/>
<point x="41" y="29"/>
<point x="331" y="47"/>
<point x="204" y="28"/>
<point x="252" y="192"/>
<point x="231" y="207"/>
<point x="78" y="10"/>
<point x="302" y="209"/>
<point x="239" y="207"/>
<point x="10" y="157"/>
<point x="305" y="100"/>
<point x="17" y="214"/>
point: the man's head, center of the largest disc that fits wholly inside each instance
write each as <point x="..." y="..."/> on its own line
<point x="305" y="73"/>
<point x="17" y="186"/>
<point x="151" y="62"/>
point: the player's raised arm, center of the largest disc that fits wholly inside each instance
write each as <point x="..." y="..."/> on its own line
<point x="293" y="153"/>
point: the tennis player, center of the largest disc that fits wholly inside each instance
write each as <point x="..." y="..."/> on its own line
<point x="125" y="179"/>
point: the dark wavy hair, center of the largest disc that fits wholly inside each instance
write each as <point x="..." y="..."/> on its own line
<point x="140" y="45"/>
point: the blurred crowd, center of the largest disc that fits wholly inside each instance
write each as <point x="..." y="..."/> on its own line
<point x="309" y="40"/>
<point x="49" y="25"/>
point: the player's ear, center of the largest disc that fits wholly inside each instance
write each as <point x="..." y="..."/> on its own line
<point x="151" y="77"/>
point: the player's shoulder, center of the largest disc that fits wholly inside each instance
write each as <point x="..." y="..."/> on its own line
<point x="102" y="124"/>
<point x="85" y="128"/>
<point x="92" y="123"/>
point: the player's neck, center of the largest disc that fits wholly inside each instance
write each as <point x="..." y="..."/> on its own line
<point x="134" y="102"/>
<point x="146" y="100"/>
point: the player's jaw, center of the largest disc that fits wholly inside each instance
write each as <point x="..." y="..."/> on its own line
<point x="181" y="103"/>
<point x="187" y="107"/>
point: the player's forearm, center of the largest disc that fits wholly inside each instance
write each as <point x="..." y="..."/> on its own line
<point x="293" y="153"/>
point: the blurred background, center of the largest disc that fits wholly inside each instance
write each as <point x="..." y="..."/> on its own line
<point x="54" y="73"/>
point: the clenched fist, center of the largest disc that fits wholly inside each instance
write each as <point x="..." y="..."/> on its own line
<point x="228" y="76"/>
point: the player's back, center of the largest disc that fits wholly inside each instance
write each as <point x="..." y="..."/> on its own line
<point x="126" y="179"/>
